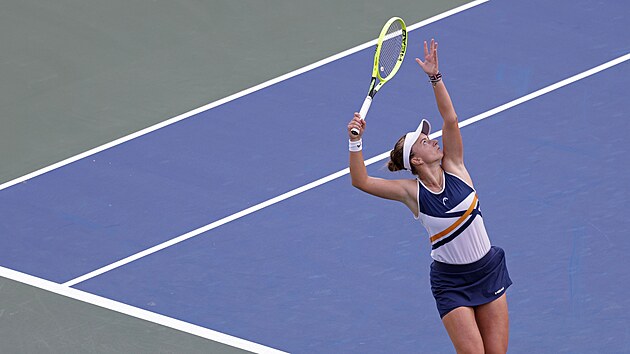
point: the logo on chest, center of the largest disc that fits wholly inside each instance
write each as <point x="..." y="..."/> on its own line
<point x="444" y="200"/>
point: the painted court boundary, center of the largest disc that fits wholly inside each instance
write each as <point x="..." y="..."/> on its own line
<point x="229" y="98"/>
<point x="136" y="312"/>
<point x="338" y="174"/>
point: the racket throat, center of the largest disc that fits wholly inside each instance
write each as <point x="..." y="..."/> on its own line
<point x="373" y="89"/>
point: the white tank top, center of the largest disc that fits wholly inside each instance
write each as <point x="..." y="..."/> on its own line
<point x="453" y="220"/>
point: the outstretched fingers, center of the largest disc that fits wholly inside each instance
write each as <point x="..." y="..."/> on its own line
<point x="430" y="63"/>
<point x="426" y="55"/>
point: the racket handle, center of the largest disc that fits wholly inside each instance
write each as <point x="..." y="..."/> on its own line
<point x="365" y="107"/>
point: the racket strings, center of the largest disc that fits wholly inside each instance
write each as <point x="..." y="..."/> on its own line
<point x="390" y="49"/>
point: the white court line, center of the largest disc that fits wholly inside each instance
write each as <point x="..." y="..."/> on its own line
<point x="229" y="98"/>
<point x="137" y="312"/>
<point x="338" y="174"/>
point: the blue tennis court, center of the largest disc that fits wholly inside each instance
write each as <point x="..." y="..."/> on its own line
<point x="182" y="221"/>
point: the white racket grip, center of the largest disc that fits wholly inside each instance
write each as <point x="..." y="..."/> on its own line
<point x="365" y="107"/>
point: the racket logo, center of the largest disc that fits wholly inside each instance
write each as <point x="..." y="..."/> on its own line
<point x="404" y="46"/>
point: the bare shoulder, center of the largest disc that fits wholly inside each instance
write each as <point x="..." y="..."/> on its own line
<point x="410" y="187"/>
<point x="408" y="193"/>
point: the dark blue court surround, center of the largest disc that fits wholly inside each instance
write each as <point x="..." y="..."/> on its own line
<point x="335" y="270"/>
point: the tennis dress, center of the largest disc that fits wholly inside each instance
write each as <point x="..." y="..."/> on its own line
<point x="467" y="270"/>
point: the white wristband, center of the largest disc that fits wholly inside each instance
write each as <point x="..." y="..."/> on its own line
<point x="355" y="146"/>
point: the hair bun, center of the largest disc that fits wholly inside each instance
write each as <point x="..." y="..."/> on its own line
<point x="391" y="164"/>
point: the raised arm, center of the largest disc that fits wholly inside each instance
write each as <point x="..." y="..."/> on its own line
<point x="453" y="147"/>
<point x="402" y="190"/>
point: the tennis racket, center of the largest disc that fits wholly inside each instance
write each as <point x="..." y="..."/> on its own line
<point x="389" y="55"/>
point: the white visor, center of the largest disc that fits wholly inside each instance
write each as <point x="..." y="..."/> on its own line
<point x="411" y="138"/>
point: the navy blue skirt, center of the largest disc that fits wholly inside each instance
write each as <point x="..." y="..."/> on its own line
<point x="474" y="284"/>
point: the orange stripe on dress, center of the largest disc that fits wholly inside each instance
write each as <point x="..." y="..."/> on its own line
<point x="456" y="223"/>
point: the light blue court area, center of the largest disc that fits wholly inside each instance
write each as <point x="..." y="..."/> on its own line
<point x="333" y="270"/>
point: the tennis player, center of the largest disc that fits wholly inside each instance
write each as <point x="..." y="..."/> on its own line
<point x="469" y="277"/>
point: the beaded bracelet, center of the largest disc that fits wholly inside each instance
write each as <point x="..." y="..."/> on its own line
<point x="434" y="79"/>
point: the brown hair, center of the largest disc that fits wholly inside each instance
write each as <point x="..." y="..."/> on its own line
<point x="395" y="162"/>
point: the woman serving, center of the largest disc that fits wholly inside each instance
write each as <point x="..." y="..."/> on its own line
<point x="469" y="276"/>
